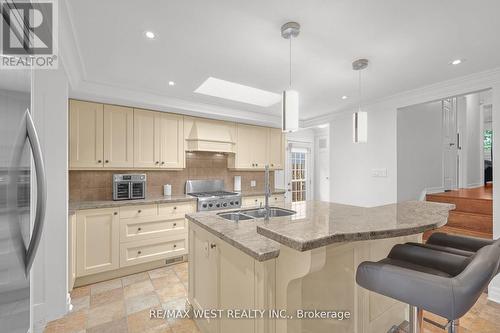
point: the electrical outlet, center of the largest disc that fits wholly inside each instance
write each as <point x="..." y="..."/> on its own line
<point x="379" y="172"/>
<point x="253" y="183"/>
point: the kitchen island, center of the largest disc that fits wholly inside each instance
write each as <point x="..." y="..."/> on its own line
<point x="306" y="261"/>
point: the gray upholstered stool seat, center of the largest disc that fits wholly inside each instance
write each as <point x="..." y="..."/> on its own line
<point x="456" y="244"/>
<point x="442" y="283"/>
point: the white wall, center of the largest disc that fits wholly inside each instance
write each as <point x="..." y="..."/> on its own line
<point x="473" y="144"/>
<point x="419" y="150"/>
<point x="49" y="273"/>
<point x="351" y="164"/>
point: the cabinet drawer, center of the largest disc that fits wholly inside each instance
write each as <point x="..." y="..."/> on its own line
<point x="176" y="210"/>
<point x="136" y="229"/>
<point x="252" y="201"/>
<point x="142" y="251"/>
<point x="277" y="199"/>
<point x="135" y="211"/>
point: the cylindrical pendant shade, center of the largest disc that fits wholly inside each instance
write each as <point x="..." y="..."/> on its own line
<point x="290" y="111"/>
<point x="360" y="127"/>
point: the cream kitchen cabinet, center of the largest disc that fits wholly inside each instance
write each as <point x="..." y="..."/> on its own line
<point x="86" y="149"/>
<point x="71" y="251"/>
<point x="259" y="200"/>
<point x="100" y="136"/>
<point x="118" y="136"/>
<point x="158" y="140"/>
<point x="276" y="149"/>
<point x="97" y="241"/>
<point x="217" y="272"/>
<point x="251" y="148"/>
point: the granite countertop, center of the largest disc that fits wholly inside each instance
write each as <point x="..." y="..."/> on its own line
<point x="318" y="224"/>
<point x="79" y="205"/>
<point x="261" y="192"/>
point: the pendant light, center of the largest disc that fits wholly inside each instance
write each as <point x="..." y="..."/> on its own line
<point x="290" y="101"/>
<point x="360" y="118"/>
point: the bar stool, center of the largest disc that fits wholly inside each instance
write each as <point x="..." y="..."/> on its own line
<point x="456" y="244"/>
<point x="443" y="283"/>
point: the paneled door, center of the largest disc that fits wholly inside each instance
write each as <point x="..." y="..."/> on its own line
<point x="118" y="136"/>
<point x="171" y="141"/>
<point x="97" y="241"/>
<point x="146" y="139"/>
<point x="450" y="144"/>
<point x="86" y="134"/>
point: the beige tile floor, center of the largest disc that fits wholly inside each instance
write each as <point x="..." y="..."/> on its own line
<point x="122" y="306"/>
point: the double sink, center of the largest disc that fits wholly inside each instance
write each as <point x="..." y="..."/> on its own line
<point x="255" y="213"/>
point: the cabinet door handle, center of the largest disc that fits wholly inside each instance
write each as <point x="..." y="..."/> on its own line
<point x="175" y="246"/>
<point x="162" y="163"/>
<point x="115" y="213"/>
<point x="175" y="224"/>
<point x="139" y="229"/>
<point x="99" y="161"/>
<point x="139" y="252"/>
<point x="107" y="161"/>
<point x="157" y="162"/>
<point x="175" y="207"/>
<point x="139" y="211"/>
<point x="213" y="245"/>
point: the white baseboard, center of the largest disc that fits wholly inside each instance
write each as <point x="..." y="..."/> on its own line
<point x="39" y="318"/>
<point x="474" y="185"/>
<point x="494" y="293"/>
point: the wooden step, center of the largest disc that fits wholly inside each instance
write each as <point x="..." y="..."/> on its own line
<point x="469" y="205"/>
<point x="471" y="221"/>
<point x="458" y="231"/>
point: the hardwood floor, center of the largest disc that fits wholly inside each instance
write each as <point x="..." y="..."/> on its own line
<point x="473" y="215"/>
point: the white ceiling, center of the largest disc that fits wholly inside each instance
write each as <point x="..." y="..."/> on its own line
<point x="409" y="44"/>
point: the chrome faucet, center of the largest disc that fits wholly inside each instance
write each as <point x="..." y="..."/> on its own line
<point x="267" y="192"/>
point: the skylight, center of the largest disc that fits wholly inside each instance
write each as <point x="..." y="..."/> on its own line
<point x="237" y="92"/>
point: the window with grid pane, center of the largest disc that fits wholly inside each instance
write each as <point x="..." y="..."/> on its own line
<point x="298" y="160"/>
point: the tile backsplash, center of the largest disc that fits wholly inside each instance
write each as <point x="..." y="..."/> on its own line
<point x="97" y="185"/>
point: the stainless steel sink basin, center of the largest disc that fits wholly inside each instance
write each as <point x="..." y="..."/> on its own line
<point x="273" y="212"/>
<point x="235" y="216"/>
<point x="255" y="213"/>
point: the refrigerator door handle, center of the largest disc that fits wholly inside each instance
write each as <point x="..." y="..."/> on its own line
<point x="41" y="191"/>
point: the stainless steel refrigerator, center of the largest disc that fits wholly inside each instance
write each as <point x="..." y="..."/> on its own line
<point x="22" y="199"/>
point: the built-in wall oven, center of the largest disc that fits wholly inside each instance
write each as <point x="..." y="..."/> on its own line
<point x="129" y="186"/>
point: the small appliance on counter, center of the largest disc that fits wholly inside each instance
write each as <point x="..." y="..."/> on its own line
<point x="167" y="190"/>
<point x="211" y="195"/>
<point x="129" y="186"/>
<point x="237" y="183"/>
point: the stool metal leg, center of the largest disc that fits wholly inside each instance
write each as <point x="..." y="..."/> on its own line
<point x="453" y="326"/>
<point x="415" y="317"/>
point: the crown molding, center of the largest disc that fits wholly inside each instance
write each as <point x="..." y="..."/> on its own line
<point x="112" y="94"/>
<point x="471" y="83"/>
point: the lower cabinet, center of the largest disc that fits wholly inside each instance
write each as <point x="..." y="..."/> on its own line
<point x="71" y="251"/>
<point x="97" y="241"/>
<point x="217" y="272"/>
<point x="113" y="238"/>
<point x="260" y="200"/>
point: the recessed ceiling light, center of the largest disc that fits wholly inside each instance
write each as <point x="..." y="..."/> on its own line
<point x="345" y="97"/>
<point x="171" y="83"/>
<point x="237" y="92"/>
<point x="150" y="34"/>
<point x="323" y="126"/>
<point x="456" y="62"/>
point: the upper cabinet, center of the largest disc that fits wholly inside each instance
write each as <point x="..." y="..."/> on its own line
<point x="85" y="135"/>
<point x="257" y="146"/>
<point x="146" y="139"/>
<point x="118" y="136"/>
<point x="171" y="141"/>
<point x="276" y="146"/>
<point x="158" y="140"/>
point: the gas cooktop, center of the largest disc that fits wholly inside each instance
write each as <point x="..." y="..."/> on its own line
<point x="211" y="195"/>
